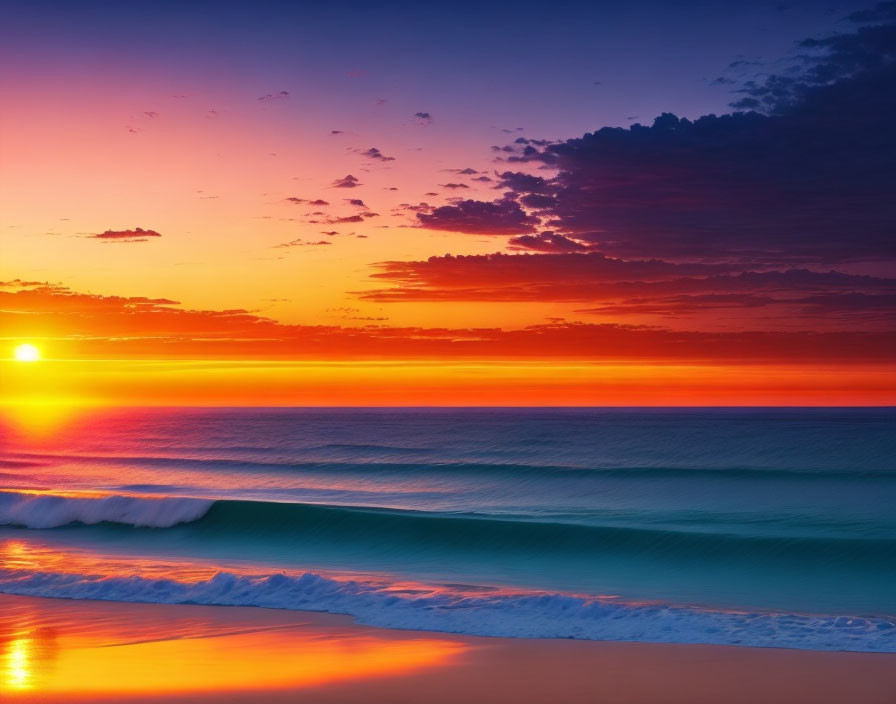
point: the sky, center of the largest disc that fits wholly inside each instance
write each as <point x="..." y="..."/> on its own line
<point x="604" y="203"/>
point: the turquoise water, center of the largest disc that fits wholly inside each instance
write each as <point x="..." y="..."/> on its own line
<point x="789" y="513"/>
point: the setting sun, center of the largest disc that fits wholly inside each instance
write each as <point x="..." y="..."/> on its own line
<point x="26" y="353"/>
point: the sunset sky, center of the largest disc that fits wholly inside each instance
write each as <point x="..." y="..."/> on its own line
<point x="605" y="203"/>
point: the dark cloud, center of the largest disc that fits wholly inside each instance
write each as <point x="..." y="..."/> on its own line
<point x="421" y="207"/>
<point x="374" y="153"/>
<point x="836" y="310"/>
<point x="453" y="186"/>
<point x="517" y="181"/>
<point x="546" y="242"/>
<point x="300" y="243"/>
<point x="462" y="172"/>
<point x="561" y="272"/>
<point x="742" y="63"/>
<point x="538" y="201"/>
<point x="347" y="218"/>
<point x="275" y="96"/>
<point x="305" y="201"/>
<point x="810" y="179"/>
<point x="422" y="118"/>
<point x="138" y="234"/>
<point x="682" y="305"/>
<point x="500" y="217"/>
<point x="536" y="142"/>
<point x="291" y="243"/>
<point x="346" y="182"/>
<point x="740" y="219"/>
<point x="741" y="185"/>
<point x="867" y="54"/>
<point x="516" y="270"/>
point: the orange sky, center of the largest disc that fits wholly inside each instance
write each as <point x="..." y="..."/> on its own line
<point x="258" y="228"/>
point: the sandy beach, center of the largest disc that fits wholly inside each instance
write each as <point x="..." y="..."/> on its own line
<point x="62" y="651"/>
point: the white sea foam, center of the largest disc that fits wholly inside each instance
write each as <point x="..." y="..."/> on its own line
<point x="30" y="510"/>
<point x="522" y="615"/>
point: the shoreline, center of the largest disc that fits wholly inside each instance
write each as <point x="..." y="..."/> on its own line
<point x="55" y="650"/>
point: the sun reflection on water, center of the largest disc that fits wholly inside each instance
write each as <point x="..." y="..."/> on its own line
<point x="17" y="664"/>
<point x="74" y="649"/>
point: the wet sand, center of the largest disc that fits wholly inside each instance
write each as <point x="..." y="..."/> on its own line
<point x="55" y="650"/>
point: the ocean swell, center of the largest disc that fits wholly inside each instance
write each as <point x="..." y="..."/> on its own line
<point x="330" y="462"/>
<point x="287" y="524"/>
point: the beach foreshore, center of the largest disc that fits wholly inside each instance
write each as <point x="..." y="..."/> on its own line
<point x="54" y="650"/>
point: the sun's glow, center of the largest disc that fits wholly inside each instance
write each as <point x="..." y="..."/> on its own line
<point x="26" y="353"/>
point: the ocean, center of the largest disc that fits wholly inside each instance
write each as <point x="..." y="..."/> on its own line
<point x="765" y="527"/>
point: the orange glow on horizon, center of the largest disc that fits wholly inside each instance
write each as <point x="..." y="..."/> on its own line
<point x="120" y="351"/>
<point x="42" y="397"/>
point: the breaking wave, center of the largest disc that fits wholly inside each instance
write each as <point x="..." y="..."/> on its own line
<point x="34" y="510"/>
<point x="455" y="610"/>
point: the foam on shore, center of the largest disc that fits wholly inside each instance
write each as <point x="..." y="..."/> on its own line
<point x="456" y="610"/>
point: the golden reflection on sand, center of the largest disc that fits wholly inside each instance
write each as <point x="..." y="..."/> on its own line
<point x="55" y="647"/>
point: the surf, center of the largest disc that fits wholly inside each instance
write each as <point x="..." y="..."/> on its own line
<point x="453" y="610"/>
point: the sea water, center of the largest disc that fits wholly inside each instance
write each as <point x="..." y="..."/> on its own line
<point x="770" y="527"/>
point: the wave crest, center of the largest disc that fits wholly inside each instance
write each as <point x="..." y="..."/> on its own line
<point x="29" y="510"/>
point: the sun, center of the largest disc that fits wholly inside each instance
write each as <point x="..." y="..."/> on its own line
<point x="26" y="353"/>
